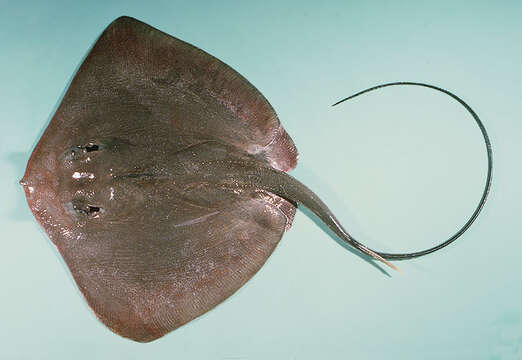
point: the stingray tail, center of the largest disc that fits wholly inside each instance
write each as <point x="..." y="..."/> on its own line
<point x="487" y="185"/>
<point x="287" y="187"/>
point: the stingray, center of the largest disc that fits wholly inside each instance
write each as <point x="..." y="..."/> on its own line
<point x="162" y="181"/>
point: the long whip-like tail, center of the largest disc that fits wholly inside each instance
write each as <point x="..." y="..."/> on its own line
<point x="487" y="187"/>
<point x="286" y="186"/>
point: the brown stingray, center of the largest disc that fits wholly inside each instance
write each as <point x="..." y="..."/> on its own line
<point x="161" y="179"/>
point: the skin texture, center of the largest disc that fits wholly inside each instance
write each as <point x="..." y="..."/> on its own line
<point x="161" y="180"/>
<point x="133" y="180"/>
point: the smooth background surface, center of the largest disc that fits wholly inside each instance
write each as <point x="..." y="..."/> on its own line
<point x="402" y="168"/>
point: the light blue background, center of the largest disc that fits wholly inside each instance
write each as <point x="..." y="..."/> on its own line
<point x="402" y="168"/>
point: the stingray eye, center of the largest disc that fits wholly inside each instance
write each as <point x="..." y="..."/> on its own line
<point x="82" y="152"/>
<point x="91" y="147"/>
<point x="80" y="208"/>
<point x="93" y="210"/>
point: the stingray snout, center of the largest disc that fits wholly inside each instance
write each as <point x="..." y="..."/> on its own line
<point x="28" y="184"/>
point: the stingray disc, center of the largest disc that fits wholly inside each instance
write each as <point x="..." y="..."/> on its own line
<point x="116" y="180"/>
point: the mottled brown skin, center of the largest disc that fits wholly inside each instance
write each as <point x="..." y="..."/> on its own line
<point x="161" y="179"/>
<point x="116" y="180"/>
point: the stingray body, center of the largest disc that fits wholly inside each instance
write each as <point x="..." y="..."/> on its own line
<point x="161" y="179"/>
<point x="145" y="180"/>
